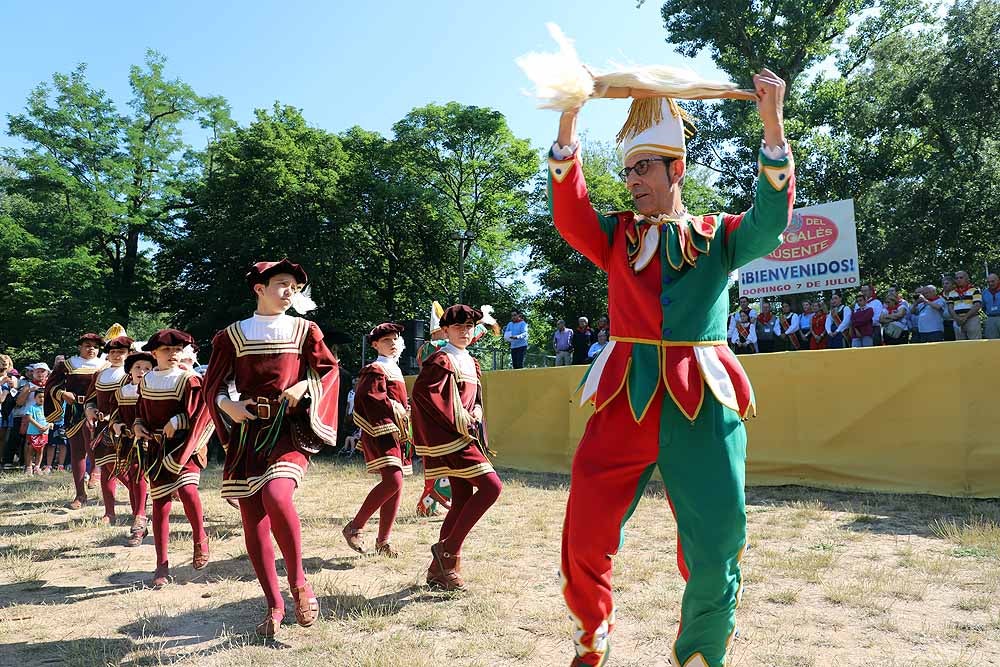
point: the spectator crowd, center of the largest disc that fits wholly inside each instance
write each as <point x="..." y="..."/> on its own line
<point x="958" y="310"/>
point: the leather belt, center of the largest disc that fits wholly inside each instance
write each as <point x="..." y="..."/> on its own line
<point x="267" y="408"/>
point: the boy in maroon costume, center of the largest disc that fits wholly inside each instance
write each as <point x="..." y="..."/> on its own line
<point x="172" y="419"/>
<point x="381" y="411"/>
<point x="100" y="410"/>
<point x="128" y="463"/>
<point x="448" y="431"/>
<point x="68" y="385"/>
<point x="288" y="382"/>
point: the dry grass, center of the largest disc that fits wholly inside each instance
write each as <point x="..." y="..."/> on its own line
<point x="831" y="579"/>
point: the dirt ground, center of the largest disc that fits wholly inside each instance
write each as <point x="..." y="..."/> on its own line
<point x="831" y="579"/>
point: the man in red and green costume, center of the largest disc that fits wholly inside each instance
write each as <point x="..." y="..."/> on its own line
<point x="667" y="391"/>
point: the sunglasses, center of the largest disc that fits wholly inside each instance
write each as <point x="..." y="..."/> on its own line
<point x="642" y="166"/>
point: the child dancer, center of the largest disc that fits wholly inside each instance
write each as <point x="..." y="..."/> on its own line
<point x="287" y="380"/>
<point x="381" y="410"/>
<point x="449" y="433"/>
<point x="128" y="465"/>
<point x="100" y="411"/>
<point x="172" y="419"/>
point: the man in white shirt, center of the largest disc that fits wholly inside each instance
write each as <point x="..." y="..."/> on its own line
<point x="872" y="301"/>
<point x="805" y="324"/>
<point x="837" y="322"/>
<point x="744" y="335"/>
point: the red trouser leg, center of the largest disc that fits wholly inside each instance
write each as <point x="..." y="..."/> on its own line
<point x="78" y="459"/>
<point x="487" y="490"/>
<point x="108" y="485"/>
<point x="605" y="481"/>
<point x="277" y="498"/>
<point x="257" y="535"/>
<point x="385" y="498"/>
<point x="161" y="529"/>
<point x="192" y="510"/>
<point x="138" y="488"/>
<point x="461" y="492"/>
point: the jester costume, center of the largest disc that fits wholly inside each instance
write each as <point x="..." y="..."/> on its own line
<point x="381" y="411"/>
<point x="667" y="392"/>
<point x="447" y="396"/>
<point x="266" y="457"/>
<point x="174" y="462"/>
<point x="74" y="375"/>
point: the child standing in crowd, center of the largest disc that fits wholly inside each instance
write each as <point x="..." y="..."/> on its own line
<point x="37" y="433"/>
<point x="862" y="319"/>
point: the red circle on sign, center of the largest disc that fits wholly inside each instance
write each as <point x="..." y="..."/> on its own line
<point x="806" y="236"/>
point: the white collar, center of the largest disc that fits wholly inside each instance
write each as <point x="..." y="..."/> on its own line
<point x="387" y="361"/>
<point x="451" y="349"/>
<point x="79" y="361"/>
<point x="176" y="370"/>
<point x="269" y="318"/>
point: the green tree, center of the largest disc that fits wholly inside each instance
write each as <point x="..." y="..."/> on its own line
<point x="482" y="174"/>
<point x="96" y="187"/>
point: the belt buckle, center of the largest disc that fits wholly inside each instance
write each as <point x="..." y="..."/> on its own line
<point x="81" y="400"/>
<point x="263" y="408"/>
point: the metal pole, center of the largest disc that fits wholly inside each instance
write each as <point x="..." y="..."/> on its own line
<point x="461" y="270"/>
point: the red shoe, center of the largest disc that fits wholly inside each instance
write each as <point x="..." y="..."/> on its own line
<point x="603" y="660"/>
<point x="306" y="606"/>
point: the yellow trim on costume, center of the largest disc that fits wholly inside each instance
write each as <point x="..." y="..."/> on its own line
<point x="325" y="431"/>
<point x="701" y="401"/>
<point x="440" y="450"/>
<point x="172" y="393"/>
<point x="559" y="169"/>
<point x="670" y="343"/>
<point x="157" y="492"/>
<point x="244" y="346"/>
<point x="384" y="462"/>
<point x="464" y="473"/>
<point x="773" y="175"/>
<point x="106" y="460"/>
<point x="660" y="356"/>
<point x="84" y="370"/>
<point x="372" y="430"/>
<point x="628" y="366"/>
<point x="244" y="488"/>
<point x="658" y="149"/>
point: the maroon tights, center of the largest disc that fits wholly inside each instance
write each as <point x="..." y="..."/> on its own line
<point x="385" y="498"/>
<point x="467" y="507"/>
<point x="268" y="512"/>
<point x="161" y="520"/>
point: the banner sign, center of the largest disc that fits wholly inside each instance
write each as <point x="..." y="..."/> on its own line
<point x="818" y="252"/>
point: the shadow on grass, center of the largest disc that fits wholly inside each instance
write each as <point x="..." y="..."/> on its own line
<point x="37" y="593"/>
<point x="882" y="513"/>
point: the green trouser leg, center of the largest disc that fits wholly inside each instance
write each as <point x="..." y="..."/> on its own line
<point x="703" y="466"/>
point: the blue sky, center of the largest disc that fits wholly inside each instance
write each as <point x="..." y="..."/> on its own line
<point x="342" y="63"/>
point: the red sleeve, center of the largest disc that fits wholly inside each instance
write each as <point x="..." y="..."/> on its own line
<point x="574" y="216"/>
<point x="323" y="375"/>
<point x="220" y="369"/>
<point x="53" y="393"/>
<point x="199" y="427"/>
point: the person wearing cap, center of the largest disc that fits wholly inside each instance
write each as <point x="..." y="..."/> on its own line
<point x="449" y="432"/>
<point x="128" y="463"/>
<point x="288" y="383"/>
<point x="100" y="409"/>
<point x="668" y="384"/>
<point x="381" y="411"/>
<point x="172" y="421"/>
<point x="66" y="395"/>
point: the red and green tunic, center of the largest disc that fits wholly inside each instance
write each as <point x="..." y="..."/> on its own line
<point x="668" y="289"/>
<point x="173" y="396"/>
<point x="447" y="389"/>
<point x="385" y="437"/>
